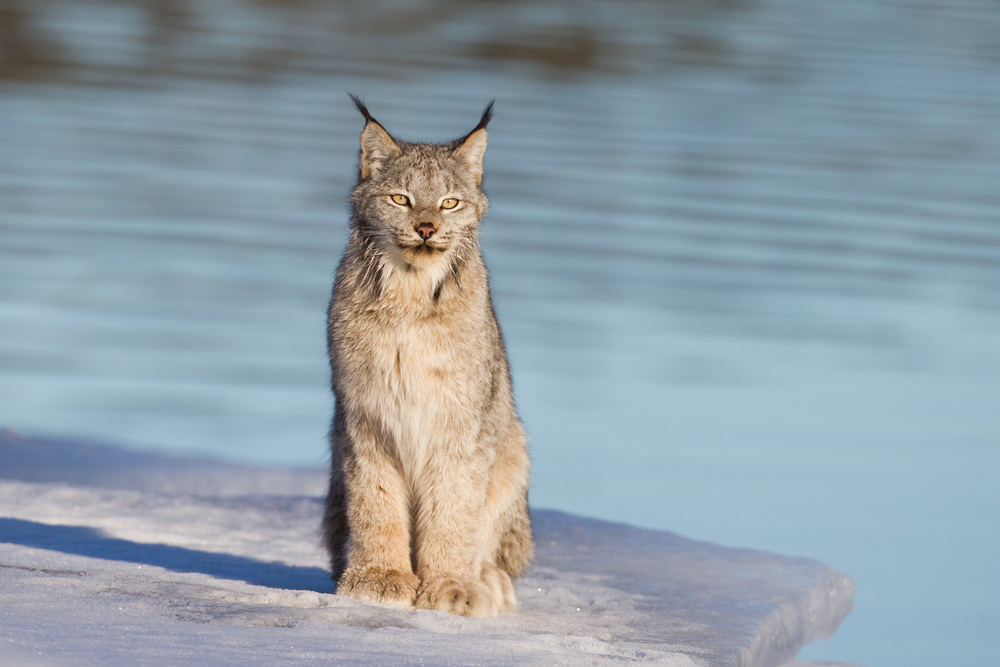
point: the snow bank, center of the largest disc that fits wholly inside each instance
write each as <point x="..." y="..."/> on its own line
<point x="96" y="569"/>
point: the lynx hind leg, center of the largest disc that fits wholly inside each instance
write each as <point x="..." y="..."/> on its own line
<point x="517" y="545"/>
<point x="508" y="522"/>
<point x="336" y="530"/>
<point x="501" y="586"/>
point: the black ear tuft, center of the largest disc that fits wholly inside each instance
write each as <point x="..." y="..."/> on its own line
<point x="360" y="104"/>
<point x="486" y="118"/>
<point x="483" y="122"/>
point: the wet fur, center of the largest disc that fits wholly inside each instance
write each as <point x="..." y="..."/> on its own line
<point x="427" y="504"/>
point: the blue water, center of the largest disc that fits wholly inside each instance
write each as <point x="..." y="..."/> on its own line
<point x="746" y="256"/>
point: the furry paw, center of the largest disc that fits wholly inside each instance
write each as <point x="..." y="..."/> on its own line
<point x="374" y="583"/>
<point x="463" y="598"/>
<point x="501" y="586"/>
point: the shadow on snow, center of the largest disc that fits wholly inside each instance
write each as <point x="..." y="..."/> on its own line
<point x="83" y="541"/>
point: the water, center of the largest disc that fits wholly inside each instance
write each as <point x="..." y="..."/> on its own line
<point x="746" y="256"/>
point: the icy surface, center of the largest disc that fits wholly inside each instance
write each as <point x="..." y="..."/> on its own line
<point x="95" y="570"/>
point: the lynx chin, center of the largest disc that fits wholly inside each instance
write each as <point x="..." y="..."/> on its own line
<point x="428" y="503"/>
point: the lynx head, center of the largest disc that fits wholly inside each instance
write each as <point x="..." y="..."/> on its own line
<point x="421" y="203"/>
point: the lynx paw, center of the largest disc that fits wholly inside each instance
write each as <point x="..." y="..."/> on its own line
<point x="463" y="598"/>
<point x="501" y="586"/>
<point x="379" y="584"/>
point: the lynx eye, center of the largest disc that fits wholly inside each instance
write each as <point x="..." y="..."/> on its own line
<point x="402" y="200"/>
<point x="449" y="203"/>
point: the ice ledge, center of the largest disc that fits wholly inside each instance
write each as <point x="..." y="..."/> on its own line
<point x="733" y="606"/>
<point x="599" y="592"/>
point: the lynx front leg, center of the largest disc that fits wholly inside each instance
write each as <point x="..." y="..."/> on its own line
<point x="449" y="541"/>
<point x="378" y="568"/>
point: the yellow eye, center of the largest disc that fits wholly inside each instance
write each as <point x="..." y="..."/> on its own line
<point x="402" y="200"/>
<point x="449" y="203"/>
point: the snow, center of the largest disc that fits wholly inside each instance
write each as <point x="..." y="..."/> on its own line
<point x="111" y="556"/>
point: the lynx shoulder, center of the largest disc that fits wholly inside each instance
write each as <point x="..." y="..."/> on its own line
<point x="427" y="505"/>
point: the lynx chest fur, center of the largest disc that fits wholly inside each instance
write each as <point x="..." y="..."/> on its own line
<point x="418" y="362"/>
<point x="427" y="504"/>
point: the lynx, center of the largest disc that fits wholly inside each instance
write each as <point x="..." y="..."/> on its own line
<point x="427" y="505"/>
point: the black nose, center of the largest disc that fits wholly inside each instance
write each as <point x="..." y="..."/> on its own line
<point x="426" y="230"/>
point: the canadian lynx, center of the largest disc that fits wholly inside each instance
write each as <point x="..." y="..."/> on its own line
<point x="427" y="504"/>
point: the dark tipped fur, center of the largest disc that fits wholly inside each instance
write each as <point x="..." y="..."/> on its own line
<point x="359" y="104"/>
<point x="486" y="117"/>
<point x="484" y="120"/>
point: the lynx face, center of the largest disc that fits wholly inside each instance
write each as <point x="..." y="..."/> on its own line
<point x="421" y="203"/>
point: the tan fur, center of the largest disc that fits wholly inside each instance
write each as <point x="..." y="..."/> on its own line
<point x="428" y="486"/>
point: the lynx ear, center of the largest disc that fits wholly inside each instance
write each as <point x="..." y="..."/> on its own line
<point x="377" y="145"/>
<point x="470" y="150"/>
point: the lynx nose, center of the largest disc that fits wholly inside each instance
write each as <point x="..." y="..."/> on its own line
<point x="426" y="230"/>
